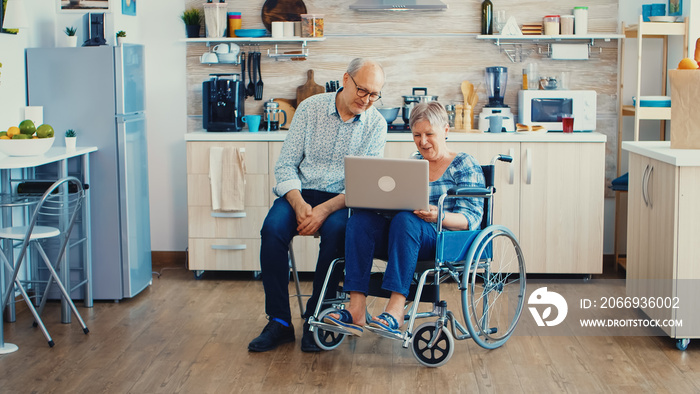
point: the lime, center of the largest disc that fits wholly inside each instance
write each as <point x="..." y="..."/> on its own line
<point x="3" y="133"/>
<point x="27" y="127"/>
<point x="21" y="137"/>
<point x="44" y="131"/>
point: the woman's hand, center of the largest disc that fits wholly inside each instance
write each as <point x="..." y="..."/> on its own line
<point x="429" y="216"/>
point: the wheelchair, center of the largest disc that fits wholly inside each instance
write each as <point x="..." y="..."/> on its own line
<point x="488" y="265"/>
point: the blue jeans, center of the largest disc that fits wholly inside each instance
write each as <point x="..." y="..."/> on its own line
<point x="279" y="228"/>
<point x="405" y="239"/>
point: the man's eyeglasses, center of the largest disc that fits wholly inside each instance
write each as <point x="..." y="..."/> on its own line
<point x="362" y="93"/>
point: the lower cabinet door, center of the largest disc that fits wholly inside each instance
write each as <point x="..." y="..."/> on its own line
<point x="224" y="254"/>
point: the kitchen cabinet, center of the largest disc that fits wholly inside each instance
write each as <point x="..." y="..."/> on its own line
<point x="642" y="32"/>
<point x="551" y="196"/>
<point x="225" y="241"/>
<point x="663" y="228"/>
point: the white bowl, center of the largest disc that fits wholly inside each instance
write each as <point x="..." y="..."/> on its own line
<point x="30" y="147"/>
<point x="662" y="18"/>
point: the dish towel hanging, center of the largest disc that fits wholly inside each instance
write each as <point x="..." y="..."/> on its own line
<point x="227" y="177"/>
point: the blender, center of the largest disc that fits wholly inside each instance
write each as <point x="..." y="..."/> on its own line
<point x="496" y="109"/>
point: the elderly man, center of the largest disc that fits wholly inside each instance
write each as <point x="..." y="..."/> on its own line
<point x="310" y="185"/>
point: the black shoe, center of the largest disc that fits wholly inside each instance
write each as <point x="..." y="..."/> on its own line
<point x="308" y="344"/>
<point x="273" y="335"/>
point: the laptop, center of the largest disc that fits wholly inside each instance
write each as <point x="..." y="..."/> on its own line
<point x="381" y="183"/>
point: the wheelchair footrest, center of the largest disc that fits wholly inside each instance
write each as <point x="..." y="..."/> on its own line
<point x="385" y="333"/>
<point x="330" y="327"/>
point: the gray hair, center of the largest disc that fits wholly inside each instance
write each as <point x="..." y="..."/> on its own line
<point x="359" y="62"/>
<point x="431" y="111"/>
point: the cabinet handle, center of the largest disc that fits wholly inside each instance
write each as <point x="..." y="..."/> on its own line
<point x="651" y="203"/>
<point x="644" y="185"/>
<point x="511" y="173"/>
<point x="228" y="247"/>
<point x="228" y="214"/>
<point x="528" y="167"/>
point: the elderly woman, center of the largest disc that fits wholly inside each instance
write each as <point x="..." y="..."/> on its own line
<point x="407" y="237"/>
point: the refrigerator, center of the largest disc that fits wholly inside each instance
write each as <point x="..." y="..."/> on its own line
<point x="99" y="92"/>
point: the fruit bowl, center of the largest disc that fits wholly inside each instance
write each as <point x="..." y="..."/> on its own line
<point x="28" y="147"/>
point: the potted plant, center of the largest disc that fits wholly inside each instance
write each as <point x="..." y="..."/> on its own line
<point x="193" y="19"/>
<point x="121" y="35"/>
<point x="71" y="38"/>
<point x="70" y="139"/>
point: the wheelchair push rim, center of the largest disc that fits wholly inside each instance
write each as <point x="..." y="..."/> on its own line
<point x="493" y="287"/>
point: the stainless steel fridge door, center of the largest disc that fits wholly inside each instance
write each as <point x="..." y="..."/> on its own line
<point x="129" y="78"/>
<point x="135" y="211"/>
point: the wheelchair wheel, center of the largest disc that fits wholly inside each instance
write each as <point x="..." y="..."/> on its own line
<point x="437" y="355"/>
<point x="493" y="288"/>
<point x="327" y="340"/>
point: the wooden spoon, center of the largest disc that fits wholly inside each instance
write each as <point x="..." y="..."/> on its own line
<point x="467" y="89"/>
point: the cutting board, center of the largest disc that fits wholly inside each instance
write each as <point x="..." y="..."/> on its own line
<point x="309" y="88"/>
<point x="281" y="11"/>
<point x="287" y="106"/>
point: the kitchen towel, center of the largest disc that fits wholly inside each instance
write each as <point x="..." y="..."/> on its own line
<point x="685" y="119"/>
<point x="227" y="178"/>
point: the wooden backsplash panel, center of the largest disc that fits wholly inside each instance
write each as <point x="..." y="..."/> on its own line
<point x="436" y="50"/>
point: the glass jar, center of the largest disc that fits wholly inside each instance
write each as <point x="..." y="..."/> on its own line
<point x="551" y="25"/>
<point x="311" y="25"/>
<point x="450" y="114"/>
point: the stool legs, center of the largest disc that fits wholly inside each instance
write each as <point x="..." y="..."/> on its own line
<point x="293" y="266"/>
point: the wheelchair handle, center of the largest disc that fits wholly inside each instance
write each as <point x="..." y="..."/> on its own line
<point x="501" y="157"/>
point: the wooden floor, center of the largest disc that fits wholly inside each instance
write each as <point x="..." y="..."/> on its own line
<point x="190" y="336"/>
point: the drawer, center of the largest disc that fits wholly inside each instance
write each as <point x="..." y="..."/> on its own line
<point x="243" y="224"/>
<point x="255" y="156"/>
<point x="256" y="190"/>
<point x="224" y="254"/>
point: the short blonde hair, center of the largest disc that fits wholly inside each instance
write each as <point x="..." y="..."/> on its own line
<point x="431" y="111"/>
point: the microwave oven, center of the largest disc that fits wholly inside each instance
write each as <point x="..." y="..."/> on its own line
<point x="545" y="107"/>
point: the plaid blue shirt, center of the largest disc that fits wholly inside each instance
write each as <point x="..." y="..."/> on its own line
<point x="464" y="171"/>
<point x="313" y="154"/>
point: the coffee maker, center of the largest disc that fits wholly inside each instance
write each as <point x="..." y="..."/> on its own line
<point x="496" y="80"/>
<point x="223" y="98"/>
<point x="271" y="118"/>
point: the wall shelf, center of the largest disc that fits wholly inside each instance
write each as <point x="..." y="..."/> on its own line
<point x="254" y="40"/>
<point x="512" y="45"/>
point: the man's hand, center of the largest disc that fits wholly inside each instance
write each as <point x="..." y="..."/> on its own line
<point x="313" y="221"/>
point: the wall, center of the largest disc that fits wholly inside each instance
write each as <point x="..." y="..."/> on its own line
<point x="157" y="25"/>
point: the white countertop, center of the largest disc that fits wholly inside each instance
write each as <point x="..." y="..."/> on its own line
<point x="52" y="155"/>
<point x="399" y="137"/>
<point x="661" y="150"/>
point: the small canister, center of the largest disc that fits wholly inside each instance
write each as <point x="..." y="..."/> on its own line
<point x="450" y="115"/>
<point x="551" y="25"/>
<point x="581" y="20"/>
<point x="567" y="25"/>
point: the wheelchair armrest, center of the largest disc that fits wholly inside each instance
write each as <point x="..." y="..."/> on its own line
<point x="470" y="192"/>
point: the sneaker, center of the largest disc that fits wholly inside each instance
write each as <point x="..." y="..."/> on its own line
<point x="273" y="335"/>
<point x="308" y="343"/>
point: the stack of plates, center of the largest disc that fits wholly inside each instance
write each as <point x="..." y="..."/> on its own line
<point x="662" y="18"/>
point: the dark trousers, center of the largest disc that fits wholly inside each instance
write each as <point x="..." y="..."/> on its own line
<point x="277" y="232"/>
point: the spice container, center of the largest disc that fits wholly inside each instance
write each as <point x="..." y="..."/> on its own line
<point x="450" y="115"/>
<point x="311" y="25"/>
<point x="551" y="25"/>
<point x="581" y="20"/>
<point x="567" y="24"/>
